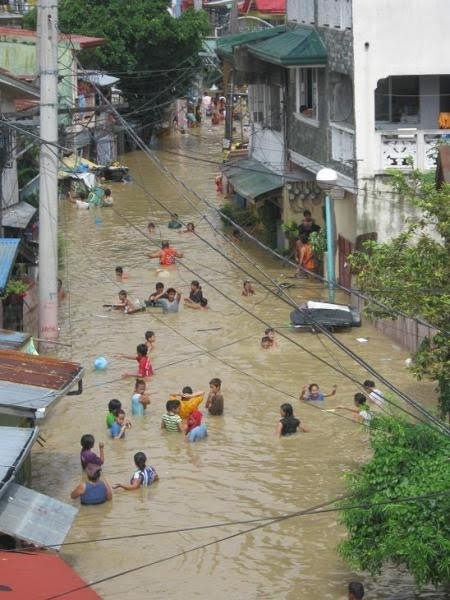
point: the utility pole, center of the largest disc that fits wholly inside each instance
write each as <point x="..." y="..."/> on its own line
<point x="229" y="84"/>
<point x="48" y="169"/>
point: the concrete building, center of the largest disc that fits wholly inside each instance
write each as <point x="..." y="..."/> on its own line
<point x="88" y="126"/>
<point x="354" y="85"/>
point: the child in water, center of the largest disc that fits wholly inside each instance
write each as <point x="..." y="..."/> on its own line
<point x="361" y="412"/>
<point x="158" y="294"/>
<point x="190" y="228"/>
<point x="288" y="423"/>
<point x="151" y="228"/>
<point x="120" y="425"/>
<point x="248" y="289"/>
<point x="266" y="342"/>
<point x="87" y="455"/>
<point x="270" y="333"/>
<point x="195" y="430"/>
<point x="174" y="223"/>
<point x="114" y="406"/>
<point x="145" y="369"/>
<point x="140" y="399"/>
<point x="172" y="420"/>
<point x="150" y="340"/>
<point x="124" y="303"/>
<point x="214" y="402"/>
<point x="143" y="477"/>
<point x="312" y="392"/>
<point x="121" y="274"/>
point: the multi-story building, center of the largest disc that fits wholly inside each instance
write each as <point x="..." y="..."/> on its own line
<point x="361" y="87"/>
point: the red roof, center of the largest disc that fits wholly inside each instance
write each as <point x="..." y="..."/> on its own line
<point x="40" y="576"/>
<point x="83" y="40"/>
<point x="271" y="6"/>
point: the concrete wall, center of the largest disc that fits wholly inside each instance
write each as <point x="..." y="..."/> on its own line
<point x="405" y="37"/>
<point x="334" y="83"/>
<point x="267" y="146"/>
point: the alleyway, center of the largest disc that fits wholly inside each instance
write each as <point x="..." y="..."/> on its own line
<point x="241" y="472"/>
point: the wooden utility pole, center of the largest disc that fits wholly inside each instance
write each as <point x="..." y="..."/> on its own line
<point x="48" y="169"/>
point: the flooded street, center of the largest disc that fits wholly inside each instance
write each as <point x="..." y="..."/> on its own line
<point x="242" y="471"/>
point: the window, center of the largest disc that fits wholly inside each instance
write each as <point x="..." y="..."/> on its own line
<point x="265" y="105"/>
<point x="444" y="90"/>
<point x="306" y="93"/>
<point x="397" y="99"/>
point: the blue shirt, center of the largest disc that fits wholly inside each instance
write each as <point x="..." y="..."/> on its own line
<point x="137" y="408"/>
<point x="320" y="396"/>
<point x="115" y="429"/>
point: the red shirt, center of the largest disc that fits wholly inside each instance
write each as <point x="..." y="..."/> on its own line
<point x="145" y="368"/>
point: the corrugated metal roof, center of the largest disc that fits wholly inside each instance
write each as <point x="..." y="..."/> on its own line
<point x="301" y="46"/>
<point x="13" y="340"/>
<point x="8" y="253"/>
<point x="227" y="43"/>
<point x="15" y="444"/>
<point x="18" y="215"/>
<point x="33" y="383"/>
<point x="35" y="518"/>
<point x="251" y="179"/>
<point x="47" y="576"/>
<point x="38" y="371"/>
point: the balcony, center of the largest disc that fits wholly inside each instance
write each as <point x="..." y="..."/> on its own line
<point x="399" y="147"/>
<point x="342" y="143"/>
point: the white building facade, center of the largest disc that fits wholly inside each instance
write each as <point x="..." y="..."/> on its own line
<point x="382" y="101"/>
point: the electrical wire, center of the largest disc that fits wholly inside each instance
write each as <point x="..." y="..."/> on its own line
<point x="317" y="509"/>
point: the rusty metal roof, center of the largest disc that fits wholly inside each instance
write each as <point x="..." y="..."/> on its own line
<point x="13" y="340"/>
<point x="34" y="382"/>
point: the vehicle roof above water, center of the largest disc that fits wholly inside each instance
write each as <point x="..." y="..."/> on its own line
<point x="312" y="304"/>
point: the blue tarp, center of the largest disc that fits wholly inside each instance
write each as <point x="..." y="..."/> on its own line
<point x="8" y="253"/>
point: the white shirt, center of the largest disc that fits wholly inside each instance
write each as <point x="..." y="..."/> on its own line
<point x="376" y="397"/>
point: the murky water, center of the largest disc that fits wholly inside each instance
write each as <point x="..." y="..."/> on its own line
<point x="241" y="472"/>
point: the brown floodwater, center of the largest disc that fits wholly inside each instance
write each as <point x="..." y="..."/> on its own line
<point x="242" y="471"/>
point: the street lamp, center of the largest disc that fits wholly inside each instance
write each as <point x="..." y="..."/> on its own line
<point x="326" y="180"/>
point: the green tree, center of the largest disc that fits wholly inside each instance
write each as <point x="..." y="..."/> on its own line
<point x="411" y="273"/>
<point x="154" y="54"/>
<point x="409" y="460"/>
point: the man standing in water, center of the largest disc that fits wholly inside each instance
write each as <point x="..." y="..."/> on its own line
<point x="166" y="255"/>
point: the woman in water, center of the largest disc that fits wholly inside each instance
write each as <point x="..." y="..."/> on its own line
<point x="94" y="490"/>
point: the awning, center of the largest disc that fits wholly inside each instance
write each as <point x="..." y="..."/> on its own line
<point x="15" y="445"/>
<point x="8" y="253"/>
<point x="40" y="575"/>
<point x="18" y="215"/>
<point x="251" y="179"/>
<point x="35" y="518"/>
<point x="300" y="47"/>
<point x="227" y="43"/>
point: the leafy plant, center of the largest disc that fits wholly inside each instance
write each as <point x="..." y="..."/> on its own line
<point x="15" y="287"/>
<point x="411" y="273"/>
<point x="142" y="38"/>
<point x="242" y="216"/>
<point x="290" y="228"/>
<point x="409" y="461"/>
<point x="318" y="243"/>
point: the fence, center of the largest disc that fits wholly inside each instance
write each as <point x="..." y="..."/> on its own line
<point x="404" y="331"/>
